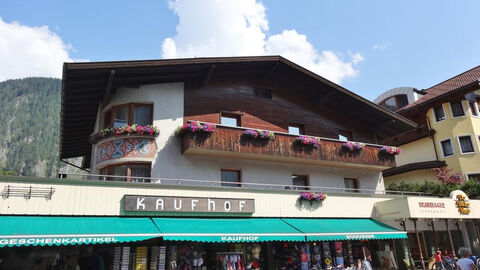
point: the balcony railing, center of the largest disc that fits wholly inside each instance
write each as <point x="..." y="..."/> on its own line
<point x="241" y="186"/>
<point x="228" y="141"/>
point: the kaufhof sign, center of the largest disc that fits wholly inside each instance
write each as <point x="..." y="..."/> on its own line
<point x="136" y="203"/>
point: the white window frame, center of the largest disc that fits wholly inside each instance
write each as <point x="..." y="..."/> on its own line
<point x="435" y="116"/>
<point x="475" y="105"/>
<point x="441" y="147"/>
<point x="460" y="146"/>
<point x="467" y="174"/>
<point x="463" y="108"/>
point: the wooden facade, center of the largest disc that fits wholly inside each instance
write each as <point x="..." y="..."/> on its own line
<point x="285" y="107"/>
<point x="228" y="141"/>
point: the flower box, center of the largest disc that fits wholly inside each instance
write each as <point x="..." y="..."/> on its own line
<point x="259" y="134"/>
<point x="195" y="128"/>
<point x="353" y="146"/>
<point x="390" y="150"/>
<point x="127" y="130"/>
<point x="312" y="196"/>
<point x="307" y="141"/>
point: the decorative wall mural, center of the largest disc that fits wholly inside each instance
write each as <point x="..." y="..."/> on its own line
<point x="126" y="147"/>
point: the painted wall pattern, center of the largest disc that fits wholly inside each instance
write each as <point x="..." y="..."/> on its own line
<point x="126" y="147"/>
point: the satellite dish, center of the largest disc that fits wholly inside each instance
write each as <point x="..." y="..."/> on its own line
<point x="471" y="97"/>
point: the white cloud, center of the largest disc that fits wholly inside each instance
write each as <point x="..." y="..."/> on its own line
<point x="30" y="51"/>
<point x="381" y="46"/>
<point x="239" y="27"/>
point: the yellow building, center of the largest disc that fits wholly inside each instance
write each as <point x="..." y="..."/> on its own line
<point x="449" y="129"/>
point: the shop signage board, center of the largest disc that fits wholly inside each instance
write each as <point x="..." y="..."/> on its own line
<point x="139" y="203"/>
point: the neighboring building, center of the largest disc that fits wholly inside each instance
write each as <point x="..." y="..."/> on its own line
<point x="449" y="129"/>
<point x="220" y="199"/>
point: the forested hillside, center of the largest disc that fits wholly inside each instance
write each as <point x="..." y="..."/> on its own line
<point x="30" y="126"/>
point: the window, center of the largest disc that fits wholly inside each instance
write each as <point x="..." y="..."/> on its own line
<point x="466" y="145"/>
<point x="447" y="147"/>
<point x="300" y="182"/>
<point x="129" y="114"/>
<point x="474" y="176"/>
<point x="395" y="103"/>
<point x="262" y="93"/>
<point x="296" y="129"/>
<point x="351" y="185"/>
<point x="231" y="178"/>
<point x="228" y="119"/>
<point x="473" y="108"/>
<point x="439" y="113"/>
<point x="457" y="108"/>
<point x="132" y="172"/>
<point x="344" y="135"/>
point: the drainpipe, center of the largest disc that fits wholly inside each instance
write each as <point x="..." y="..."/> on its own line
<point x="432" y="137"/>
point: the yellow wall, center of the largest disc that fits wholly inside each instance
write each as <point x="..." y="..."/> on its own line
<point x="418" y="176"/>
<point x="416" y="151"/>
<point x="453" y="128"/>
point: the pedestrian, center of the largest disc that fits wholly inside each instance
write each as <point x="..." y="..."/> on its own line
<point x="438" y="260"/>
<point x="465" y="263"/>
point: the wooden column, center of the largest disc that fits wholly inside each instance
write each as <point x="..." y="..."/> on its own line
<point x="434" y="235"/>
<point x="419" y="244"/>
<point x="450" y="238"/>
<point x="410" y="259"/>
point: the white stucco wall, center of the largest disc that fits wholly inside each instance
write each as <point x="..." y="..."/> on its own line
<point x="168" y="101"/>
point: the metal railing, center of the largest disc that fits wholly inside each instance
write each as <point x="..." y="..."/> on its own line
<point x="239" y="186"/>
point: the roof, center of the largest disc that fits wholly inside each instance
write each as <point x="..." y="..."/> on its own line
<point x="85" y="86"/>
<point x="445" y="88"/>
<point x="414" y="166"/>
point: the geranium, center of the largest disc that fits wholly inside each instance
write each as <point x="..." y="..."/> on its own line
<point x="259" y="134"/>
<point x="195" y="127"/>
<point x="312" y="196"/>
<point x="447" y="178"/>
<point x="128" y="130"/>
<point x="309" y="141"/>
<point x="390" y="150"/>
<point x="353" y="146"/>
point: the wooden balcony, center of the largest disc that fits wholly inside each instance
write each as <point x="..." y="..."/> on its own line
<point x="228" y="142"/>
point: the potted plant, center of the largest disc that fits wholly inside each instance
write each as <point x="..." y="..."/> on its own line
<point x="353" y="146"/>
<point x="195" y="128"/>
<point x="307" y="141"/>
<point x="390" y="150"/>
<point x="312" y="197"/>
<point x="259" y="134"/>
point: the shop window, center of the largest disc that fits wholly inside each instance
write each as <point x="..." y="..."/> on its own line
<point x="262" y="93"/>
<point x="466" y="145"/>
<point x="439" y="113"/>
<point x="473" y="108"/>
<point x="344" y="135"/>
<point x="474" y="176"/>
<point x="129" y="172"/>
<point x="447" y="147"/>
<point x="231" y="178"/>
<point x="296" y="129"/>
<point x="351" y="185"/>
<point x="228" y="119"/>
<point x="129" y="114"/>
<point x="300" y="182"/>
<point x="457" y="108"/>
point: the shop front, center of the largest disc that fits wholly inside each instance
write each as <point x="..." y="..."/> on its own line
<point x="432" y="224"/>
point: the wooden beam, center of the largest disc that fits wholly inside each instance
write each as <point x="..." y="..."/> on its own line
<point x="108" y="89"/>
<point x="207" y="76"/>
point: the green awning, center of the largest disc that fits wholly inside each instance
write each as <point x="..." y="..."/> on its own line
<point x="344" y="229"/>
<point x="37" y="230"/>
<point x="227" y="230"/>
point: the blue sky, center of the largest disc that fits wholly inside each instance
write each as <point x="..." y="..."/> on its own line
<point x="370" y="46"/>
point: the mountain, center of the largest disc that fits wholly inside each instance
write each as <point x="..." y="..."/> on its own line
<point x="30" y="126"/>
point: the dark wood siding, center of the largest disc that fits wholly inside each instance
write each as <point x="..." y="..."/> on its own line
<point x="286" y="106"/>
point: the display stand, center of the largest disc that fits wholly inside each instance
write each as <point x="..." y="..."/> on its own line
<point x="230" y="260"/>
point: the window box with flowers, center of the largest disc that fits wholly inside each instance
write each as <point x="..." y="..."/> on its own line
<point x="256" y="137"/>
<point x="307" y="141"/>
<point x="312" y="197"/>
<point x="128" y="130"/>
<point x="388" y="153"/>
<point x="195" y="128"/>
<point x="352" y="146"/>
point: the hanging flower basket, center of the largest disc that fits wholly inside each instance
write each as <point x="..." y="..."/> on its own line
<point x="390" y="150"/>
<point x="259" y="134"/>
<point x="127" y="130"/>
<point x="353" y="146"/>
<point x="312" y="196"/>
<point x="307" y="141"/>
<point x="195" y="128"/>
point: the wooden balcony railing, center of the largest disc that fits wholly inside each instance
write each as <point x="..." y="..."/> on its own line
<point x="228" y="141"/>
